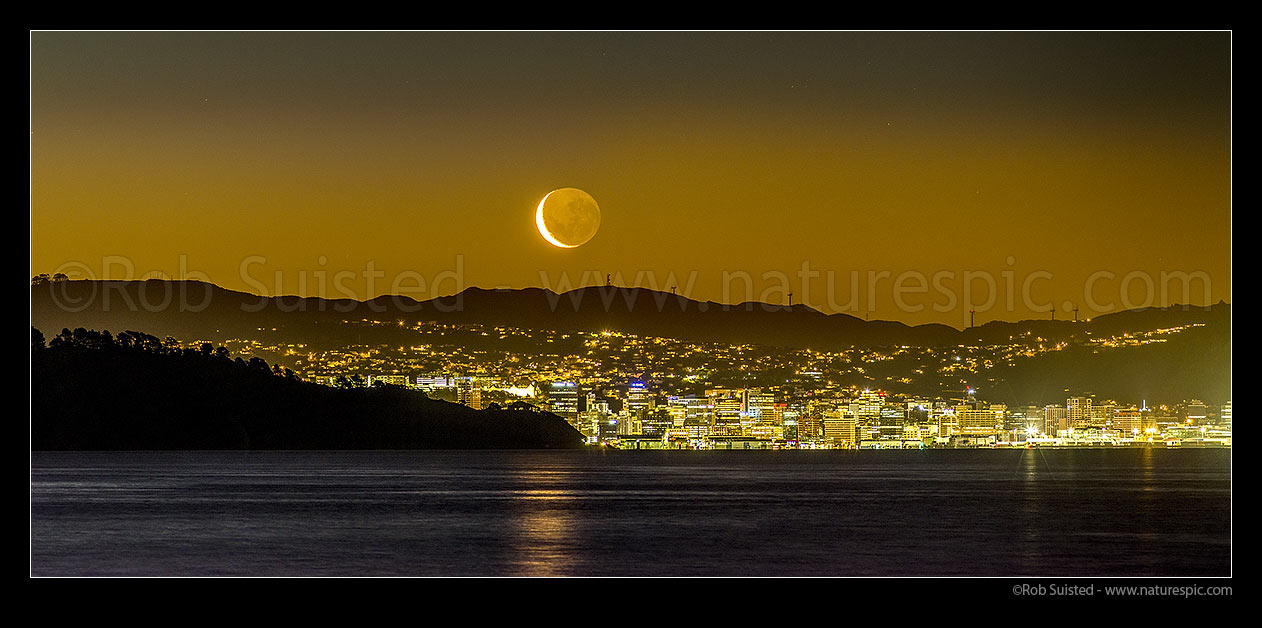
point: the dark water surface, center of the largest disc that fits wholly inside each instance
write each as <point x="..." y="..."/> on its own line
<point x="1123" y="512"/>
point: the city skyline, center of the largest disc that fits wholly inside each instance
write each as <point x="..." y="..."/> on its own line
<point x="641" y="392"/>
<point x="469" y="303"/>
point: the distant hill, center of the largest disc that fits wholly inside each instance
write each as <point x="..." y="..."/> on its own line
<point x="1193" y="363"/>
<point x="191" y="309"/>
<point x="96" y="391"/>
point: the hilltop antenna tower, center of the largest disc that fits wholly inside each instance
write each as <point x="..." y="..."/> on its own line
<point x="790" y="299"/>
<point x="1075" y="313"/>
<point x="970" y="317"/>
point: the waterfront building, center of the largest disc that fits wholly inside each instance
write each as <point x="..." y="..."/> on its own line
<point x="1078" y="412"/>
<point x="1055" y="420"/>
<point x="729" y="406"/>
<point x="840" y="428"/>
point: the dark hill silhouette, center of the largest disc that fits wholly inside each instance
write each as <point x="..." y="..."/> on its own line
<point x="191" y="309"/>
<point x="94" y="391"/>
<point x="1193" y="363"/>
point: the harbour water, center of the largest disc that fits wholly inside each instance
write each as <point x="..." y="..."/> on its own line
<point x="1095" y="512"/>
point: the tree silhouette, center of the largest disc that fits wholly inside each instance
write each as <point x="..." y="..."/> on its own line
<point x="95" y="391"/>
<point x="80" y="337"/>
<point x="62" y="339"/>
<point x="140" y="341"/>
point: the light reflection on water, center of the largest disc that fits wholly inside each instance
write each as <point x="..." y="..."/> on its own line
<point x="544" y="524"/>
<point x="1126" y="512"/>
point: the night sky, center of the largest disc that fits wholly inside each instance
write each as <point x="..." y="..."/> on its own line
<point x="709" y="153"/>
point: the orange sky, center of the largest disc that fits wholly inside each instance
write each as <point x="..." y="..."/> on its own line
<point x="273" y="162"/>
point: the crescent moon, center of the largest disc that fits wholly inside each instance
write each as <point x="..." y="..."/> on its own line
<point x="543" y="229"/>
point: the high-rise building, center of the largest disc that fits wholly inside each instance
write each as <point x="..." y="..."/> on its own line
<point x="596" y="423"/>
<point x="1102" y="414"/>
<point x="430" y="382"/>
<point x="1127" y="421"/>
<point x="917" y="411"/>
<point x="639" y="399"/>
<point x="689" y="407"/>
<point x="655" y="422"/>
<point x="469" y="392"/>
<point x="729" y="406"/>
<point x="759" y="402"/>
<point x="840" y="429"/>
<point x="563" y="400"/>
<point x="948" y="422"/>
<point x="628" y="425"/>
<point x="789" y="422"/>
<point x="599" y="405"/>
<point x="608" y="428"/>
<point x="1055" y="420"/>
<point x="1078" y="412"/>
<point x="697" y="428"/>
<point x="604" y="427"/>
<point x="1196" y="412"/>
<point x="677" y="408"/>
<point x="867" y="406"/>
<point x="811" y="422"/>
<point x="763" y="416"/>
<point x="981" y="421"/>
<point x="1029" y="418"/>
